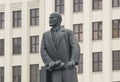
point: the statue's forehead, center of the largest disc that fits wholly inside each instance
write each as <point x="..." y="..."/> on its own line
<point x="54" y="15"/>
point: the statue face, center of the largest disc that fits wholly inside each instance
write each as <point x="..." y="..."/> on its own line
<point x="53" y="20"/>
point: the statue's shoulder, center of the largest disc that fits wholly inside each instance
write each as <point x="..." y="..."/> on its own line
<point x="46" y="32"/>
<point x="68" y="31"/>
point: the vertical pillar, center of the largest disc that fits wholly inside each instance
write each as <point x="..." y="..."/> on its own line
<point x="107" y="35"/>
<point x="25" y="43"/>
<point x="8" y="43"/>
<point x="68" y="13"/>
<point x="87" y="41"/>
<point x="42" y="25"/>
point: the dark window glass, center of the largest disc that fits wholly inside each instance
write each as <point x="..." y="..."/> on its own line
<point x="17" y="45"/>
<point x="116" y="60"/>
<point x="34" y="44"/>
<point x="1" y="74"/>
<point x="1" y="20"/>
<point x="1" y="47"/>
<point x="34" y="73"/>
<point x="97" y="61"/>
<point x="59" y="6"/>
<point x="97" y="4"/>
<point x="16" y="73"/>
<point x="17" y="18"/>
<point x="97" y="30"/>
<point x="77" y="5"/>
<point x="78" y="31"/>
<point x="80" y="66"/>
<point x="34" y="17"/>
<point x="116" y="28"/>
<point x="115" y="3"/>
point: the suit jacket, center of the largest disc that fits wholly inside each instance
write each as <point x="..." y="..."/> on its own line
<point x="67" y="49"/>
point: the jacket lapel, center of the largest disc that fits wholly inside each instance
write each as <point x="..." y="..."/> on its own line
<point x="51" y="40"/>
<point x="60" y="35"/>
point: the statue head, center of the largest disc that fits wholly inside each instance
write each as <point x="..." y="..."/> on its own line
<point x="55" y="20"/>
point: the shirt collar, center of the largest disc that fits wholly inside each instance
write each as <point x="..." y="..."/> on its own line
<point x="56" y="29"/>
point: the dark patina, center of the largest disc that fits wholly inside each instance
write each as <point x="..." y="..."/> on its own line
<point x="60" y="52"/>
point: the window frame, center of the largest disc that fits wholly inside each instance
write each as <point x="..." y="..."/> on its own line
<point x="118" y="4"/>
<point x="80" y="65"/>
<point x="17" y="73"/>
<point x="98" y="4"/>
<point x="2" y="20"/>
<point x="35" y="17"/>
<point x="2" y="49"/>
<point x="116" y="61"/>
<point x="2" y="74"/>
<point x="80" y="2"/>
<point x="34" y="72"/>
<point x="98" y="31"/>
<point x="60" y="6"/>
<point x="80" y="32"/>
<point x="98" y="61"/>
<point x="17" y="19"/>
<point x="18" y="46"/>
<point x="116" y="29"/>
<point x="35" y="44"/>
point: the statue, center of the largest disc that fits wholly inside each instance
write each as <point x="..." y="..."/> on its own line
<point x="60" y="51"/>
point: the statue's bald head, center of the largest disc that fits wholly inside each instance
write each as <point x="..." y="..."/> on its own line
<point x="54" y="21"/>
<point x="58" y="16"/>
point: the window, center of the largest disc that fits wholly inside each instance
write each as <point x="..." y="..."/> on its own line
<point x="59" y="6"/>
<point x="34" y="44"/>
<point x="1" y="47"/>
<point x="80" y="66"/>
<point x="97" y="30"/>
<point x="78" y="31"/>
<point x="34" y="73"/>
<point x="1" y="74"/>
<point x="115" y="3"/>
<point x="16" y="73"/>
<point x="1" y="20"/>
<point x="34" y="17"/>
<point x="17" y="18"/>
<point x="116" y="28"/>
<point x="17" y="45"/>
<point x="116" y="60"/>
<point x="77" y="5"/>
<point x="97" y="61"/>
<point x="97" y="4"/>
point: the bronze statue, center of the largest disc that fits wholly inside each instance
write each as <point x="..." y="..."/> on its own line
<point x="60" y="51"/>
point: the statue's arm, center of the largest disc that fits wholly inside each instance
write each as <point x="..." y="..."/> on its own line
<point x="75" y="49"/>
<point x="45" y="57"/>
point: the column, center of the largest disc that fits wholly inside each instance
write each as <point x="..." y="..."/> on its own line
<point x="107" y="36"/>
<point x="25" y="43"/>
<point x="68" y="14"/>
<point x="8" y="43"/>
<point x="42" y="25"/>
<point x="87" y="41"/>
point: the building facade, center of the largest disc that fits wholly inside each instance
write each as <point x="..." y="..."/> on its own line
<point x="95" y="23"/>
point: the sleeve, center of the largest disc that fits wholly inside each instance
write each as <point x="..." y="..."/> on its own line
<point x="75" y="49"/>
<point x="45" y="56"/>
